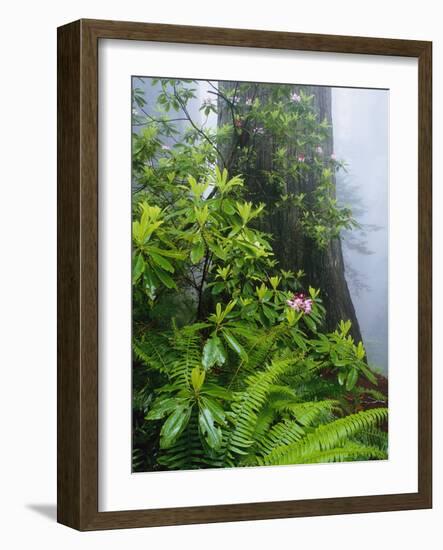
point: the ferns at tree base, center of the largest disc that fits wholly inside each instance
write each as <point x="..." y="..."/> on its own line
<point x="267" y="418"/>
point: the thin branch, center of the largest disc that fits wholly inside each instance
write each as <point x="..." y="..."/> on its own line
<point x="159" y="120"/>
<point x="196" y="128"/>
<point x="208" y="256"/>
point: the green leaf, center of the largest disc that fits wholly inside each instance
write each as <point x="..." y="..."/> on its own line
<point x="228" y="208"/>
<point x="217" y="288"/>
<point x="174" y="425"/>
<point x="233" y="344"/>
<point x="177" y="254"/>
<point x="339" y="362"/>
<point x="212" y="434"/>
<point x="217" y="391"/>
<point x="150" y="280"/>
<point x="213" y="353"/>
<point x="138" y="267"/>
<point x="360" y="351"/>
<point x="164" y="277"/>
<point x="299" y="340"/>
<point x="351" y="379"/>
<point x="311" y="324"/>
<point x="197" y="378"/>
<point x="162" y="407"/>
<point x="368" y="373"/>
<point x="342" y="377"/>
<point x="269" y="312"/>
<point x="216" y="410"/>
<point x="197" y="251"/>
<point x="219" y="252"/>
<point x="161" y="261"/>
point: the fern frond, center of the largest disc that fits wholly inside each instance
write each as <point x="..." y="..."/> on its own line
<point x="247" y="405"/>
<point x="262" y="346"/>
<point x="267" y="414"/>
<point x="153" y="351"/>
<point x="376" y="395"/>
<point x="265" y="419"/>
<point x="349" y="452"/>
<point x="187" y="345"/>
<point x="313" y="388"/>
<point x="326" y="437"/>
<point x="282" y="434"/>
<point x="280" y="392"/>
<point x="309" y="413"/>
<point x="375" y="438"/>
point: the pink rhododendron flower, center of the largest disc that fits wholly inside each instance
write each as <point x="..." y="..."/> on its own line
<point x="299" y="302"/>
<point x="301" y="157"/>
<point x="296" y="98"/>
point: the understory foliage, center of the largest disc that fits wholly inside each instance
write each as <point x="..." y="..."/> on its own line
<point x="231" y="364"/>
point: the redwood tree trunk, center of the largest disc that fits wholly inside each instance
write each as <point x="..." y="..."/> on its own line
<point x="324" y="268"/>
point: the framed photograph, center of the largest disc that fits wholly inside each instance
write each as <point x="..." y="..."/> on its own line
<point x="244" y="275"/>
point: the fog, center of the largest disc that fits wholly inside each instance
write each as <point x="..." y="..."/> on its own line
<point x="360" y="126"/>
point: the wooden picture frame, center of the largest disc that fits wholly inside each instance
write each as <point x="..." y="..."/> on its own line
<point x="78" y="274"/>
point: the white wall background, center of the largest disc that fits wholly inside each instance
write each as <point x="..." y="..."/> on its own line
<point x="28" y="272"/>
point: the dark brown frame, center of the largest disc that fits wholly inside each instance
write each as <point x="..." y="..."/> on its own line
<point x="77" y="480"/>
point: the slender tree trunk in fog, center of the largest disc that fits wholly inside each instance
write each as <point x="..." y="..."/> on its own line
<point x="324" y="268"/>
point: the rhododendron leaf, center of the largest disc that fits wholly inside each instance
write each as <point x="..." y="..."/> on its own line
<point x="217" y="411"/>
<point x="310" y="323"/>
<point x="217" y="391"/>
<point x="342" y="377"/>
<point x="341" y="362"/>
<point x="164" y="277"/>
<point x="137" y="268"/>
<point x="217" y="288"/>
<point x="161" y="407"/>
<point x="235" y="231"/>
<point x="228" y="207"/>
<point x="360" y="350"/>
<point x="174" y="425"/>
<point x="217" y="250"/>
<point x="269" y="312"/>
<point x="210" y="432"/>
<point x="234" y="345"/>
<point x="197" y="252"/>
<point x="162" y="262"/>
<point x="368" y="373"/>
<point x="213" y="353"/>
<point x="177" y="254"/>
<point x="351" y="379"/>
<point x="299" y="341"/>
<point x="197" y="378"/>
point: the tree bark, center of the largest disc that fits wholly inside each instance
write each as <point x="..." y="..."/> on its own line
<point x="324" y="268"/>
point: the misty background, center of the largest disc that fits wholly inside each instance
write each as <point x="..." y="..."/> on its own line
<point x="360" y="125"/>
<point x="360" y="134"/>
